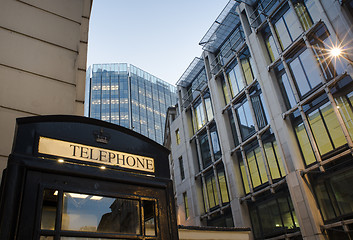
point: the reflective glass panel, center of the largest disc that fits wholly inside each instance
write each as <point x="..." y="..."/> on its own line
<point x="50" y="204"/>
<point x="149" y="212"/>
<point x="46" y="238"/>
<point x="243" y="175"/>
<point x="90" y="213"/>
<point x="344" y="104"/>
<point x="245" y="120"/>
<point x="304" y="143"/>
<point x="222" y="183"/>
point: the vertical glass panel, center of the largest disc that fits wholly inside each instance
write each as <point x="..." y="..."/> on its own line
<point x="205" y="149"/>
<point x="303" y="14"/>
<point x="304" y="143"/>
<point x="208" y="105"/>
<point x="256" y="227"/>
<point x="261" y="165"/>
<point x="318" y="128"/>
<point x="333" y="125"/>
<point x="344" y="104"/>
<point x="254" y="173"/>
<point x="270" y="216"/>
<point x="83" y="212"/>
<point x="211" y="189"/>
<point x="324" y="201"/>
<point x="215" y="142"/>
<point x="343" y="191"/>
<point x="245" y="65"/>
<point x="286" y="213"/>
<point x="272" y="162"/>
<point x="225" y="92"/>
<point x="222" y="183"/>
<point x="181" y="166"/>
<point x="245" y="120"/>
<point x="50" y="204"/>
<point x="282" y="33"/>
<point x="200" y="118"/>
<point x="149" y="212"/>
<point x="285" y="86"/>
<point x="243" y="174"/>
<point x="46" y="238"/>
<point x="232" y="126"/>
<point x="305" y="72"/>
<point x="279" y="160"/>
<point x="186" y="205"/>
<point x="260" y="114"/>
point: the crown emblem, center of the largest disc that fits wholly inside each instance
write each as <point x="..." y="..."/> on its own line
<point x="101" y="136"/>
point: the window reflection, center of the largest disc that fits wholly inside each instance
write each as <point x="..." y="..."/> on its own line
<point x="50" y="202"/>
<point x="245" y="120"/>
<point x="100" y="214"/>
<point x="149" y="217"/>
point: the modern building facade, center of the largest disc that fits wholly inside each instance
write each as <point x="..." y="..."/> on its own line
<point x="130" y="97"/>
<point x="262" y="133"/>
<point x="42" y="63"/>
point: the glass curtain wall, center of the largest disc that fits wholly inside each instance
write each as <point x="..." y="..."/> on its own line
<point x="130" y="97"/>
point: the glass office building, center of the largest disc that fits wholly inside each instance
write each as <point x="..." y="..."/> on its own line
<point x="263" y="133"/>
<point x="130" y="97"/>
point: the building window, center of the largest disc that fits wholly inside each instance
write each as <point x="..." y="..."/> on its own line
<point x="211" y="190"/>
<point x="343" y="94"/>
<point x="273" y="158"/>
<point x="246" y="65"/>
<point x="257" y="102"/>
<point x="286" y="89"/>
<point x="304" y="71"/>
<point x="324" y="126"/>
<point x="245" y="120"/>
<point x="232" y="126"/>
<point x="225" y="92"/>
<point x="303" y="14"/>
<point x="205" y="149"/>
<point x="199" y="118"/>
<point x="222" y="183"/>
<point x="270" y="44"/>
<point x="181" y="166"/>
<point x="334" y="193"/>
<point x="286" y="26"/>
<point x="234" y="78"/>
<point x="177" y="136"/>
<point x="215" y="142"/>
<point x="273" y="216"/>
<point x="256" y="165"/>
<point x="221" y="220"/>
<point x="322" y="43"/>
<point x="208" y="105"/>
<point x="186" y="205"/>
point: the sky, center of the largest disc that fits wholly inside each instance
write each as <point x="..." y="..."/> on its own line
<point x="158" y="36"/>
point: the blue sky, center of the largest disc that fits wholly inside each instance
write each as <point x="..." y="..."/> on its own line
<point x="159" y="36"/>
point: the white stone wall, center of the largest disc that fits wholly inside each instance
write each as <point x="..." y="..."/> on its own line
<point x="42" y="62"/>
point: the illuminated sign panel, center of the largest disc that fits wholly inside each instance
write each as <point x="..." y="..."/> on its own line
<point x="93" y="154"/>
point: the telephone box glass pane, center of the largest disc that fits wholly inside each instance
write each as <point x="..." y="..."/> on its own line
<point x="50" y="202"/>
<point x="90" y="213"/>
<point x="150" y="218"/>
